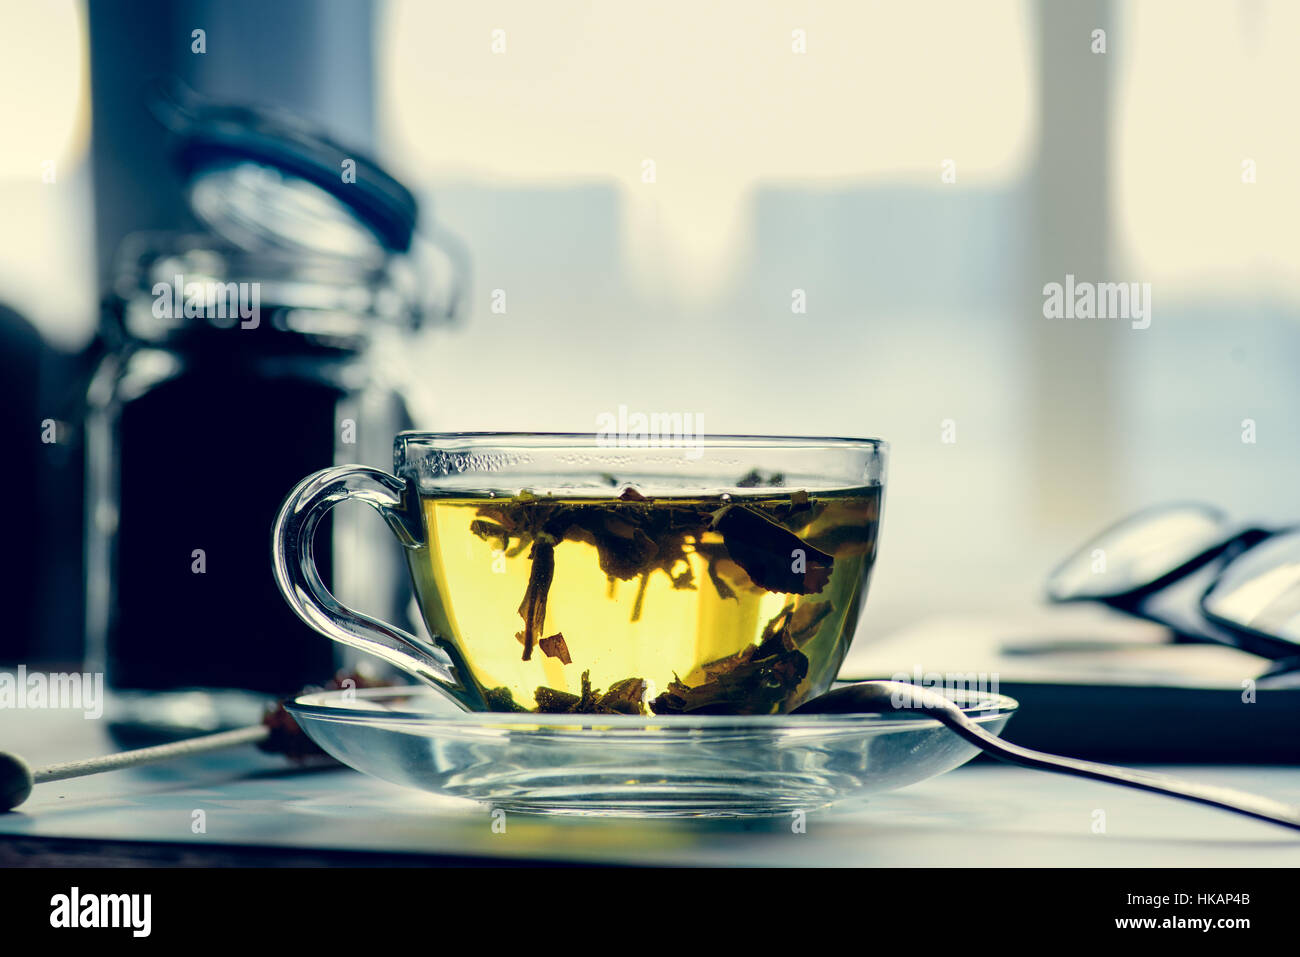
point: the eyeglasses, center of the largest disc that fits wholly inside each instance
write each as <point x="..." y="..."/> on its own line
<point x="1190" y="568"/>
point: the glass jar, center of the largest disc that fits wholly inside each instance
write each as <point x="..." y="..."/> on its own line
<point x="235" y="361"/>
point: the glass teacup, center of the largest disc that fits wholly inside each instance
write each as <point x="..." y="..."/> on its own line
<point x="563" y="573"/>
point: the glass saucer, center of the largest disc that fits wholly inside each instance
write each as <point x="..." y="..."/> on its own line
<point x="625" y="765"/>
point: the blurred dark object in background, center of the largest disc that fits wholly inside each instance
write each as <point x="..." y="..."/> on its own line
<point x="41" y="484"/>
<point x="29" y="550"/>
<point x="41" y="393"/>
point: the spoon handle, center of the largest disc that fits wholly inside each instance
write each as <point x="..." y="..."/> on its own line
<point x="1229" y="799"/>
<point x="17" y="779"/>
<point x="162" y="752"/>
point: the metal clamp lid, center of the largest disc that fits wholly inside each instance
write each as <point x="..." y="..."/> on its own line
<point x="262" y="176"/>
<point x="265" y="181"/>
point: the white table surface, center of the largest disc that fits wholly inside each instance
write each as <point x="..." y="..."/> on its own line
<point x="984" y="814"/>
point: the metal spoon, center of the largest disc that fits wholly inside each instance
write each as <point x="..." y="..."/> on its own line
<point x="884" y="697"/>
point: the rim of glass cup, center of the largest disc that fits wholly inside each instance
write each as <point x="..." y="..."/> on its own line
<point x="817" y="456"/>
<point x="560" y="439"/>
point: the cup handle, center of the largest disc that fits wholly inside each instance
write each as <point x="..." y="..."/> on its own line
<point x="292" y="539"/>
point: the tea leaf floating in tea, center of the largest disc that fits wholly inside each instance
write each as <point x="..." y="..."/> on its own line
<point x="500" y="699"/>
<point x="754" y="478"/>
<point x="623" y="697"/>
<point x="771" y="556"/>
<point x="533" y="608"/>
<point x="554" y="647"/>
<point x="713" y="556"/>
<point x="756" y="678"/>
<point x="550" y="701"/>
